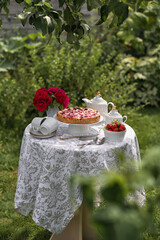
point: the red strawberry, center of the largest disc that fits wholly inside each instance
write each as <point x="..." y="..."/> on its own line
<point x="109" y="125"/>
<point x="122" y="127"/>
<point x="113" y="126"/>
<point x="115" y="130"/>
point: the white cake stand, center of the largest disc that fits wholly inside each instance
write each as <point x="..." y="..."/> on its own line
<point x="82" y="129"/>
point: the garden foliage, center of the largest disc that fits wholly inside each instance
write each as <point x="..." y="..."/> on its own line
<point x="28" y="64"/>
<point x="68" y="18"/>
<point x="119" y="216"/>
<point x="104" y="62"/>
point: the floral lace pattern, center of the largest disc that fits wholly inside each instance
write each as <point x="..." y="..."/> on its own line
<point x="45" y="168"/>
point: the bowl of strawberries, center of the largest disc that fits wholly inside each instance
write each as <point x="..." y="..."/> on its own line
<point x="114" y="131"/>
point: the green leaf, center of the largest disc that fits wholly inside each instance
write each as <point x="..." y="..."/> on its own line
<point x="70" y="37"/>
<point x="86" y="28"/>
<point x="45" y="24"/>
<point x="13" y="45"/>
<point x="58" y="31"/>
<point x="61" y="2"/>
<point x="80" y="32"/>
<point x="30" y="9"/>
<point x="36" y="1"/>
<point x="19" y="1"/>
<point x="39" y="24"/>
<point x="92" y="4"/>
<point x="54" y="15"/>
<point x="6" y="9"/>
<point x="50" y="24"/>
<point x="6" y="65"/>
<point x="68" y="17"/>
<point x="139" y="19"/>
<point x="67" y="28"/>
<point x="29" y="2"/>
<point x="23" y="17"/>
<point x="31" y="19"/>
<point x="104" y="11"/>
<point x="100" y="21"/>
<point x="47" y="4"/>
<point x="78" y="4"/>
<point x="112" y="4"/>
<point x="121" y="10"/>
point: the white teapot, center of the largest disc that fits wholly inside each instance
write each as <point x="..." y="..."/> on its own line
<point x="115" y="115"/>
<point x="98" y="103"/>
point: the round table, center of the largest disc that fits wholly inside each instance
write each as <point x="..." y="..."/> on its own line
<point x="45" y="169"/>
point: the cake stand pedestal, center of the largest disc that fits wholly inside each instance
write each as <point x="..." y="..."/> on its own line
<point x="78" y="129"/>
<point x="82" y="129"/>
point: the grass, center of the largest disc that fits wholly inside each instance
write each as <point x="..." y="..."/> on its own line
<point x="14" y="226"/>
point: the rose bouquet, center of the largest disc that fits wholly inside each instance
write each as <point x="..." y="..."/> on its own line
<point x="52" y="97"/>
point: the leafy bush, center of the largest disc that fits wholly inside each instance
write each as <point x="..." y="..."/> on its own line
<point x="28" y="64"/>
<point x="140" y="34"/>
<point x="145" y="72"/>
<point x="134" y="48"/>
<point x="119" y="217"/>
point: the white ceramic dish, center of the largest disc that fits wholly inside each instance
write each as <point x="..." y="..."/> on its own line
<point x="40" y="135"/>
<point x="114" y="136"/>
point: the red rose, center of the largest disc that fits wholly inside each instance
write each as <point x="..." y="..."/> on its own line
<point x="52" y="90"/>
<point x="60" y="96"/>
<point x="66" y="102"/>
<point x="41" y="95"/>
<point x="41" y="99"/>
<point x="40" y="90"/>
<point x="40" y="104"/>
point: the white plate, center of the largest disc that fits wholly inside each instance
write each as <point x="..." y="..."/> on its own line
<point x="40" y="135"/>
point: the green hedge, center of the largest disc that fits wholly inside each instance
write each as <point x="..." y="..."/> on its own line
<point x="29" y="63"/>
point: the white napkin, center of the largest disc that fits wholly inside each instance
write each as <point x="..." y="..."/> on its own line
<point x="44" y="125"/>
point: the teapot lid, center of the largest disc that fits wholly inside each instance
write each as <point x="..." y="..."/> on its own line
<point x="114" y="112"/>
<point x="98" y="99"/>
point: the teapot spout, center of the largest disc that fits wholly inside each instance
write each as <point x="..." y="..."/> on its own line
<point x="86" y="100"/>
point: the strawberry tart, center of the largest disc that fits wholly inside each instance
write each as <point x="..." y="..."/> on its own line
<point x="78" y="115"/>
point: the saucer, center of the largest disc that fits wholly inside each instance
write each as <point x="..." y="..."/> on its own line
<point x="38" y="134"/>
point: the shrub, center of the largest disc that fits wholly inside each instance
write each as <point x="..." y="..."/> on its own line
<point x="31" y="64"/>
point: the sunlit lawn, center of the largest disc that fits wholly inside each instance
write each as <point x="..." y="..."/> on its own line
<point x="14" y="226"/>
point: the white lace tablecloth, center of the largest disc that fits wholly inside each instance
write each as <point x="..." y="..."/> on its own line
<point x="45" y="168"/>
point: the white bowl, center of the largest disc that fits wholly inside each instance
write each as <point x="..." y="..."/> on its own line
<point x="114" y="136"/>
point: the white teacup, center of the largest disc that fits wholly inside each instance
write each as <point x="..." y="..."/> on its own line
<point x="48" y="126"/>
<point x="36" y="122"/>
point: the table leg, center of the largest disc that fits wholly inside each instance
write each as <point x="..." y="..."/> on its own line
<point x="88" y="232"/>
<point x="79" y="227"/>
<point x="73" y="231"/>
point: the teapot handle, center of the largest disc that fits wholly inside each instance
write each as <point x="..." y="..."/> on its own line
<point x="124" y="119"/>
<point x="110" y="103"/>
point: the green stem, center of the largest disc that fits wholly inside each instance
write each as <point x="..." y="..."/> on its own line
<point x="136" y="5"/>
